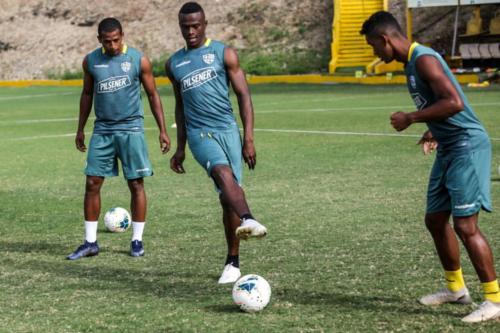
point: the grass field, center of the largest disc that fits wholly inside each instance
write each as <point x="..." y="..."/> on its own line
<point x="342" y="196"/>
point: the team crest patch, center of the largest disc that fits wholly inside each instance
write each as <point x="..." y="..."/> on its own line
<point x="208" y="58"/>
<point x="126" y="66"/>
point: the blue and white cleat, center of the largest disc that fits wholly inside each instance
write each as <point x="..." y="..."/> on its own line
<point x="85" y="250"/>
<point x="136" y="249"/>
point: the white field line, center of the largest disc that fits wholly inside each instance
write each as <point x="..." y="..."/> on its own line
<point x="55" y="120"/>
<point x="335" y="132"/>
<point x="26" y="138"/>
<point x="6" y="98"/>
<point x="361" y="108"/>
<point x="332" y="99"/>
<point x="36" y="137"/>
<point x="36" y="121"/>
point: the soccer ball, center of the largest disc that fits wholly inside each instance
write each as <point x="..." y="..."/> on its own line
<point x="117" y="219"/>
<point x="251" y="293"/>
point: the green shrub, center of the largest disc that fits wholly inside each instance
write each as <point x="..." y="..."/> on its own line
<point x="295" y="61"/>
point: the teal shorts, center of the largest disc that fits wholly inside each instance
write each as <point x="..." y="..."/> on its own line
<point x="129" y="147"/>
<point x="460" y="183"/>
<point x="217" y="147"/>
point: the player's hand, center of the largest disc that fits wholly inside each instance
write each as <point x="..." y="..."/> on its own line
<point x="249" y="154"/>
<point x="164" y="142"/>
<point x="80" y="141"/>
<point x="177" y="160"/>
<point x="400" y="121"/>
<point x="429" y="144"/>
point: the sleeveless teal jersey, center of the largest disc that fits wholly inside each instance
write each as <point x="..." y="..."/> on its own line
<point x="463" y="128"/>
<point x="117" y="90"/>
<point x="204" y="86"/>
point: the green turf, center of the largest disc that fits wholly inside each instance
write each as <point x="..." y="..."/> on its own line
<point x="346" y="252"/>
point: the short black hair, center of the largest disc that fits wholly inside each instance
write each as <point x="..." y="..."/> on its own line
<point x="378" y="23"/>
<point x="191" y="7"/>
<point x="109" y="24"/>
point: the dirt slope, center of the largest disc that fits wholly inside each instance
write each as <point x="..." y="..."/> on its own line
<point x="38" y="37"/>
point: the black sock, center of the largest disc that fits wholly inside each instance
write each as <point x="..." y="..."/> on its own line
<point x="233" y="260"/>
<point x="246" y="216"/>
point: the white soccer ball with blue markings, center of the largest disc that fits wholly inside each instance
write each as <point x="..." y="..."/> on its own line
<point x="117" y="219"/>
<point x="251" y="293"/>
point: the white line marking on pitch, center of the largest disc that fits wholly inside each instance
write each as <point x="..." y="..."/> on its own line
<point x="34" y="121"/>
<point x="361" y="108"/>
<point x="271" y="130"/>
<point x="5" y="98"/>
<point x="335" y="132"/>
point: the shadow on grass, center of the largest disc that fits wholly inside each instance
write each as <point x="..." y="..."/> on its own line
<point x="223" y="308"/>
<point x="186" y="283"/>
<point x="38" y="247"/>
<point x="382" y="304"/>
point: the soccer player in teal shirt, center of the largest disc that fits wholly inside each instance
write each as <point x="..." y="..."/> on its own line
<point x="459" y="184"/>
<point x="201" y="74"/>
<point x="113" y="75"/>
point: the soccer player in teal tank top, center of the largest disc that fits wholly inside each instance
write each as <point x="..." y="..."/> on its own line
<point x="460" y="178"/>
<point x="113" y="75"/>
<point x="201" y="74"/>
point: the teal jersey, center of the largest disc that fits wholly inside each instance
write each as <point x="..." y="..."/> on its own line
<point x="204" y="86"/>
<point x="462" y="130"/>
<point x="117" y="90"/>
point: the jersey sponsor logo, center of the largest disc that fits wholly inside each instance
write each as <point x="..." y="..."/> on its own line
<point x="185" y="62"/>
<point x="419" y="101"/>
<point x="101" y="66"/>
<point x="198" y="78"/>
<point x="208" y="58"/>
<point x="125" y="66"/>
<point x="113" y="84"/>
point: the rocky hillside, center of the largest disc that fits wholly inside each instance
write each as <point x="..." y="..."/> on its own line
<point x="43" y="37"/>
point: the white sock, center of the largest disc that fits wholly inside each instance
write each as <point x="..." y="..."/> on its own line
<point x="137" y="230"/>
<point x="91" y="231"/>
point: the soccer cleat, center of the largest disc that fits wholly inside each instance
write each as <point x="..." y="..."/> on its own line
<point x="136" y="249"/>
<point x="486" y="311"/>
<point x="85" y="250"/>
<point x="446" y="296"/>
<point x="230" y="274"/>
<point x="250" y="228"/>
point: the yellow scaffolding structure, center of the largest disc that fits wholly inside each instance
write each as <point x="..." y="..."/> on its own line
<point x="349" y="48"/>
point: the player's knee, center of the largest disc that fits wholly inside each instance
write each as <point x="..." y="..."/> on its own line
<point x="431" y="223"/>
<point x="437" y="222"/>
<point x="222" y="174"/>
<point x="93" y="184"/>
<point x="136" y="185"/>
<point x="465" y="230"/>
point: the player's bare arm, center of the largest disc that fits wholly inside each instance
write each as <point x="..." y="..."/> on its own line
<point x="85" y="107"/>
<point x="449" y="101"/>
<point x="240" y="87"/>
<point x="148" y="82"/>
<point x="180" y="153"/>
